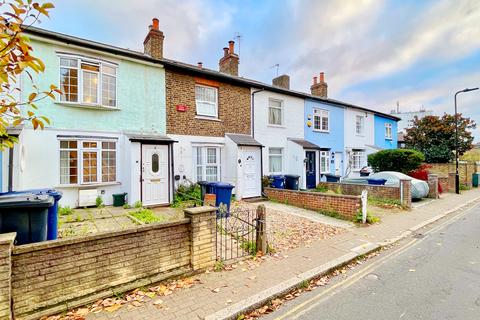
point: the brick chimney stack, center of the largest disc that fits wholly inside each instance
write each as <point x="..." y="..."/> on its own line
<point x="153" y="43"/>
<point x="230" y="60"/>
<point x="319" y="88"/>
<point x="282" y="81"/>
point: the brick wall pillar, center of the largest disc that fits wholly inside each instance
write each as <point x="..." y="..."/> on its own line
<point x="451" y="182"/>
<point x="202" y="236"/>
<point x="433" y="186"/>
<point x="6" y="246"/>
<point x="406" y="192"/>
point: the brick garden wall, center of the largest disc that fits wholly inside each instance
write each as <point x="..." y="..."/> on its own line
<point x="234" y="114"/>
<point x="443" y="181"/>
<point x="382" y="192"/>
<point x="54" y="276"/>
<point x="465" y="169"/>
<point x="346" y="206"/>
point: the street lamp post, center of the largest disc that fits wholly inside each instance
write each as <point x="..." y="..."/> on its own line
<point x="457" y="176"/>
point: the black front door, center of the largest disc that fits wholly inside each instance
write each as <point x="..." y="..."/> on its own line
<point x="311" y="173"/>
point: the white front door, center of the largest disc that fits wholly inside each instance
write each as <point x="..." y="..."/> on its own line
<point x="338" y="163"/>
<point x="252" y="180"/>
<point x="154" y="174"/>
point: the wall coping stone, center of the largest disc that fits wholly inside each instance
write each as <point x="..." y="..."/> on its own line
<point x="7" y="238"/>
<point x="200" y="210"/>
<point x="101" y="235"/>
<point x="359" y="184"/>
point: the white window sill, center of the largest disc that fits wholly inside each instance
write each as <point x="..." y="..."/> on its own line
<point x="321" y="131"/>
<point x="360" y="135"/>
<point x="277" y="126"/>
<point x="86" y="106"/>
<point x="86" y="186"/>
<point x="208" y="118"/>
<point x="390" y="139"/>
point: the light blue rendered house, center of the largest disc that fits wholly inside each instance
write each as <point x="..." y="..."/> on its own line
<point x="386" y="133"/>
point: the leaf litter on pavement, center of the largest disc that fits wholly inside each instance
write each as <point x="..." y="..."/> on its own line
<point x="133" y="299"/>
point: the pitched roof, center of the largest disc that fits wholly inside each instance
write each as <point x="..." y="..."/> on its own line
<point x="172" y="64"/>
<point x="244" y="140"/>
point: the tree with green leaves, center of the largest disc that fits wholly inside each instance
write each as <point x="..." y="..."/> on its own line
<point x="435" y="137"/>
<point x="17" y="60"/>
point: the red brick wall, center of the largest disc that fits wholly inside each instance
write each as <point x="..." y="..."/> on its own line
<point x="345" y="206"/>
<point x="443" y="181"/>
<point x="382" y="192"/>
<point x="234" y="115"/>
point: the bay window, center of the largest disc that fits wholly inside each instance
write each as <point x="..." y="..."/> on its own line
<point x="207" y="163"/>
<point x="206" y="101"/>
<point x="87" y="81"/>
<point x="87" y="162"/>
<point x="275" y="160"/>
<point x="358" y="159"/>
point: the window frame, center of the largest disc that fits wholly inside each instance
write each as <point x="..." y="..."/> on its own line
<point x="388" y="131"/>
<point x="280" y="155"/>
<point x="325" y="155"/>
<point x="282" y="112"/>
<point x="91" y="61"/>
<point x="216" y="101"/>
<point x="362" y="125"/>
<point x="321" y="115"/>
<point x="81" y="149"/>
<point x="204" y="154"/>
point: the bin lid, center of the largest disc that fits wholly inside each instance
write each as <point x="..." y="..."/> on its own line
<point x="57" y="195"/>
<point x="203" y="183"/>
<point x="295" y="176"/>
<point x="30" y="200"/>
<point x="224" y="185"/>
<point x="277" y="176"/>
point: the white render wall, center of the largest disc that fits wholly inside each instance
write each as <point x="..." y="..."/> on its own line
<point x="354" y="141"/>
<point x="272" y="136"/>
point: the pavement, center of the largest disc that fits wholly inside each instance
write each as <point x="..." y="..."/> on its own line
<point x="430" y="275"/>
<point x="225" y="295"/>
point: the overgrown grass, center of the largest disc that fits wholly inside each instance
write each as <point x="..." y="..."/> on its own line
<point x="371" y="219"/>
<point x="146" y="216"/>
<point x="64" y="211"/>
<point x="325" y="189"/>
<point x="464" y="187"/>
<point x="187" y="196"/>
<point x="384" y="203"/>
<point x="250" y="247"/>
<point x="331" y="213"/>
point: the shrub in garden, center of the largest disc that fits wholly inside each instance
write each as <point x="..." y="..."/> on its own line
<point x="400" y="160"/>
<point x="422" y="174"/>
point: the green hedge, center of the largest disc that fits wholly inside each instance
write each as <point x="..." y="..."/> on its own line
<point x="401" y="160"/>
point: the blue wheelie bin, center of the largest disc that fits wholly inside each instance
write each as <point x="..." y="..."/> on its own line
<point x="377" y="182"/>
<point x="26" y="214"/>
<point x="292" y="181"/>
<point x="278" y="181"/>
<point x="52" y="220"/>
<point x="223" y="193"/>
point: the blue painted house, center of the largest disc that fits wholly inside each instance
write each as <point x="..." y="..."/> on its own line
<point x="324" y="127"/>
<point x="385" y="132"/>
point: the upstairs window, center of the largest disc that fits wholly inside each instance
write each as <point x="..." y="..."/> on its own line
<point x="206" y="101"/>
<point x="388" y="131"/>
<point x="321" y="120"/>
<point x="360" y="125"/>
<point x="275" y="112"/>
<point x="88" y="81"/>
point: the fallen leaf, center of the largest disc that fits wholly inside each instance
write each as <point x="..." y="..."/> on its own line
<point x="412" y="270"/>
<point x="113" y="308"/>
<point x="216" y="290"/>
<point x="157" y="302"/>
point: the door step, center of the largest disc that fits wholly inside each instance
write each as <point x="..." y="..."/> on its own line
<point x="254" y="199"/>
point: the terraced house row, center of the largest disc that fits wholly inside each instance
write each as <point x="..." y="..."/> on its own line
<point x="143" y="124"/>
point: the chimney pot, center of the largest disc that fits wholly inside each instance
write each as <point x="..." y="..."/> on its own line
<point x="229" y="62"/>
<point x="322" y="77"/>
<point x="200" y="65"/>
<point x="225" y="51"/>
<point x="315" y="80"/>
<point x="155" y="24"/>
<point x="231" y="46"/>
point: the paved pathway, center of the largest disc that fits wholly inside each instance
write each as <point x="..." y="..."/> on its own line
<point x="220" y="289"/>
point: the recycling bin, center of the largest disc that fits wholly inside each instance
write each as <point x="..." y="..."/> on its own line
<point x="332" y="178"/>
<point x="278" y="181"/>
<point x="475" y="178"/>
<point x="26" y="214"/>
<point x="223" y="193"/>
<point x="119" y="199"/>
<point x="52" y="219"/>
<point x="292" y="181"/>
<point x="378" y="182"/>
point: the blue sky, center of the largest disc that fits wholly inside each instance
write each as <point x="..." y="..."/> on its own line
<point x="373" y="52"/>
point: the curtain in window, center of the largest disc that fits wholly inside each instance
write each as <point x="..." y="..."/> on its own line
<point x="275" y="160"/>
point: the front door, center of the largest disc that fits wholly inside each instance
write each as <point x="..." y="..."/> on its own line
<point x="154" y="174"/>
<point x="250" y="162"/>
<point x="338" y="163"/>
<point x="310" y="169"/>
